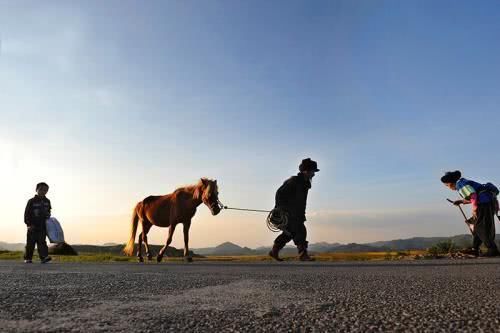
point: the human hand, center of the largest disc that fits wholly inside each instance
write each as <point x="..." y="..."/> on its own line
<point x="458" y="202"/>
<point x="472" y="220"/>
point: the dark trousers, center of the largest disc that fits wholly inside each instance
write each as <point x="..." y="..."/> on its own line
<point x="484" y="228"/>
<point x="36" y="236"/>
<point x="297" y="231"/>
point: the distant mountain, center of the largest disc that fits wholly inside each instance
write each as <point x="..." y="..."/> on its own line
<point x="11" y="246"/>
<point x="323" y="246"/>
<point x="466" y="240"/>
<point x="231" y="249"/>
<point x="226" y="249"/>
<point x="354" y="247"/>
<point x="291" y="249"/>
<point x="113" y="249"/>
<point x="422" y="243"/>
<point x="112" y="244"/>
<point x="415" y="243"/>
<point x="117" y="250"/>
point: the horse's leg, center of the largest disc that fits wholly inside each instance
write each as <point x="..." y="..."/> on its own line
<point x="187" y="257"/>
<point x="139" y="246"/>
<point x="146" y="226"/>
<point x="171" y="230"/>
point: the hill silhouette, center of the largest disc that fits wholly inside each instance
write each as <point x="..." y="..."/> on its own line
<point x="226" y="249"/>
<point x="231" y="249"/>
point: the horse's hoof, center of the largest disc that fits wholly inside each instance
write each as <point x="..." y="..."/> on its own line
<point x="150" y="257"/>
<point x="188" y="259"/>
<point x="159" y="258"/>
<point x="140" y="259"/>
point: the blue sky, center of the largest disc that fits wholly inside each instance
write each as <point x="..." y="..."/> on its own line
<point x="110" y="102"/>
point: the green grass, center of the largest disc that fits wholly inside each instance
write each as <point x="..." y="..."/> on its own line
<point x="108" y="257"/>
<point x="8" y="255"/>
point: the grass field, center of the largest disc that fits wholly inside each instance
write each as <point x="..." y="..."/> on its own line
<point x="107" y="257"/>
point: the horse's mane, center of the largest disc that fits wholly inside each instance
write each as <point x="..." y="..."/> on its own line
<point x="201" y="190"/>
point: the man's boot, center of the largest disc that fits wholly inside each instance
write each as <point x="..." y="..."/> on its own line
<point x="275" y="251"/>
<point x="303" y="255"/>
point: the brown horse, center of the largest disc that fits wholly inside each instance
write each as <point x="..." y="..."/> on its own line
<point x="170" y="210"/>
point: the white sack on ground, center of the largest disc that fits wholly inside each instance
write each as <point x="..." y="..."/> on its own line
<point x="54" y="231"/>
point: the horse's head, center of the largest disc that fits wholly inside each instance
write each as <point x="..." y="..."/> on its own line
<point x="210" y="195"/>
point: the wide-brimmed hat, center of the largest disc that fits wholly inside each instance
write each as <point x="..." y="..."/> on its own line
<point x="451" y="177"/>
<point x="308" y="165"/>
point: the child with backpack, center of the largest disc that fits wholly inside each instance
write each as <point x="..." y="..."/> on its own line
<point x="483" y="198"/>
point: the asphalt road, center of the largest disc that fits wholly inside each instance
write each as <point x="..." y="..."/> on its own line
<point x="248" y="297"/>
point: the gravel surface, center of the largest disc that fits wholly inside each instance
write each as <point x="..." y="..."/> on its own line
<point x="439" y="295"/>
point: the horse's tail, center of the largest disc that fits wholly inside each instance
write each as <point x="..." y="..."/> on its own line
<point x="129" y="248"/>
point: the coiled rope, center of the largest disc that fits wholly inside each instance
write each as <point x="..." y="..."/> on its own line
<point x="277" y="219"/>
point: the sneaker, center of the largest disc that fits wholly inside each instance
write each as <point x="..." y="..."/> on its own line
<point x="46" y="260"/>
<point x="28" y="261"/>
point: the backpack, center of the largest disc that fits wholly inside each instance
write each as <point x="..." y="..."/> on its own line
<point x="491" y="188"/>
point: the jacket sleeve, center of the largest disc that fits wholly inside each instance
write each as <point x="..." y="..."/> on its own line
<point x="285" y="192"/>
<point x="27" y="213"/>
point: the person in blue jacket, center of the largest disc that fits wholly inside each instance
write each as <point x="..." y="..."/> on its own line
<point x="484" y="208"/>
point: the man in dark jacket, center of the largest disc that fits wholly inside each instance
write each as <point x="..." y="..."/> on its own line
<point x="291" y="198"/>
<point x="36" y="213"/>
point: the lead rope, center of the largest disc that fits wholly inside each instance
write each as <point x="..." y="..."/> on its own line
<point x="277" y="219"/>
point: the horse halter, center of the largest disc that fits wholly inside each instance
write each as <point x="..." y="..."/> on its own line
<point x="219" y="203"/>
<point x="213" y="203"/>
